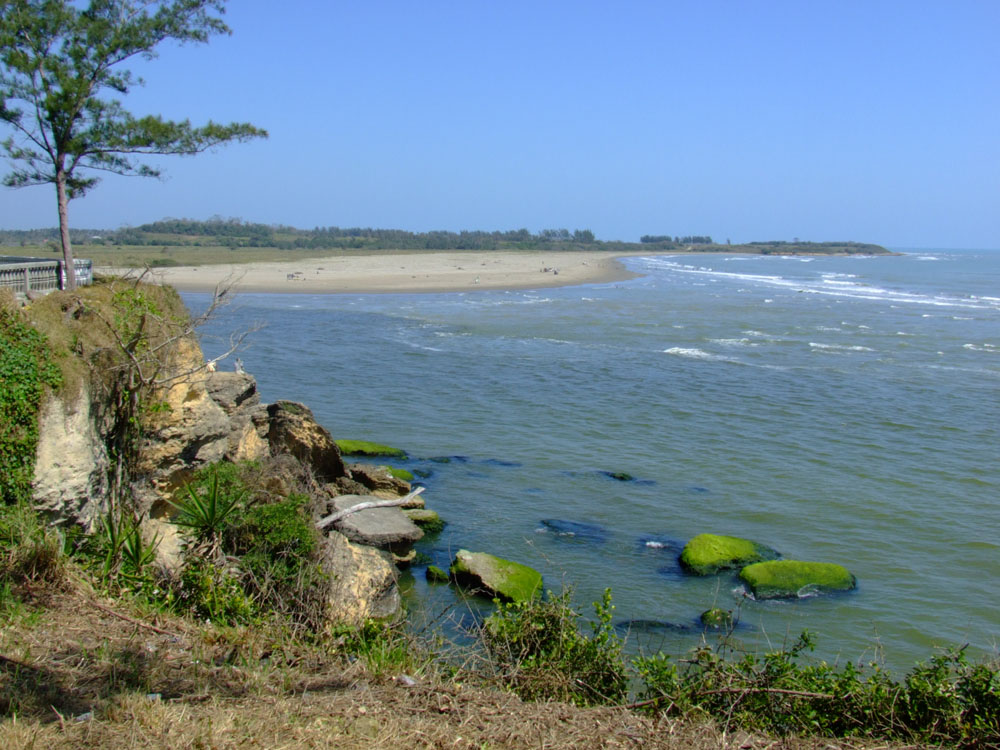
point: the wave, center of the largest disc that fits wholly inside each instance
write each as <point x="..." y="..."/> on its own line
<point x="839" y="347"/>
<point x="695" y="353"/>
<point x="828" y="284"/>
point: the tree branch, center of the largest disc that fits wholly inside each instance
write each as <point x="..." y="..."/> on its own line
<point x="339" y="515"/>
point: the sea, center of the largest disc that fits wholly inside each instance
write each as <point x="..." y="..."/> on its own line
<point x="837" y="409"/>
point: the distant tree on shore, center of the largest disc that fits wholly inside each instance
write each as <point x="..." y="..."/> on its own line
<point x="57" y="61"/>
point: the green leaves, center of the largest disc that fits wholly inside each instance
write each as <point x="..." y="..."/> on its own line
<point x="205" y="513"/>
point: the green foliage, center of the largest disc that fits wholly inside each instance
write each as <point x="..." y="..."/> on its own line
<point x="206" y="505"/>
<point x="947" y="700"/>
<point x="384" y="647"/>
<point x="212" y="593"/>
<point x="57" y="63"/>
<point x="540" y="653"/>
<point x="26" y="369"/>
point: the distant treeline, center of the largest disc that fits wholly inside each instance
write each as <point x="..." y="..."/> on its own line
<point x="236" y="233"/>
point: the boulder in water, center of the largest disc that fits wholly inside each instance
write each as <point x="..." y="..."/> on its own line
<point x="709" y="553"/>
<point x="792" y="578"/>
<point x="495" y="577"/>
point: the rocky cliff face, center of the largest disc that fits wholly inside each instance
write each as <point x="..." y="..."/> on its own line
<point x="209" y="416"/>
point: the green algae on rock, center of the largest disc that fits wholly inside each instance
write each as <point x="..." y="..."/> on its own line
<point x="434" y="574"/>
<point x="425" y="518"/>
<point x="793" y="578"/>
<point x="493" y="576"/>
<point x="706" y="554"/>
<point x="403" y="474"/>
<point x="716" y="618"/>
<point x="365" y="448"/>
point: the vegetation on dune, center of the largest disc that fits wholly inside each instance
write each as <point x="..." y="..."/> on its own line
<point x="173" y="242"/>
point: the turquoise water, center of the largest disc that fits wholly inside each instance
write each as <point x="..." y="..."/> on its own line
<point x="841" y="409"/>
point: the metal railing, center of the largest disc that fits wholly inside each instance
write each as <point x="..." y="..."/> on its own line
<point x="25" y="275"/>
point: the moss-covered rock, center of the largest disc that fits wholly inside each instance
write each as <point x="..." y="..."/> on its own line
<point x="495" y="577"/>
<point x="403" y="474"/>
<point x="436" y="575"/>
<point x="716" y="618"/>
<point x="365" y="448"/>
<point x="709" y="553"/>
<point x="792" y="578"/>
<point x="426" y="519"/>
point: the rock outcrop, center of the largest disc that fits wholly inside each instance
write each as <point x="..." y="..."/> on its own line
<point x="293" y="428"/>
<point x="362" y="582"/>
<point x="71" y="464"/>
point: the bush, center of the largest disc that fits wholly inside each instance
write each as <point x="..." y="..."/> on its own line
<point x="946" y="700"/>
<point x="540" y="653"/>
<point x="29" y="550"/>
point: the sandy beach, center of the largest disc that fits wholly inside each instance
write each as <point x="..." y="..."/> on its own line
<point x="403" y="272"/>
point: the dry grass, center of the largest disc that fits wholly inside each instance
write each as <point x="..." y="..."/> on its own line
<point x="77" y="671"/>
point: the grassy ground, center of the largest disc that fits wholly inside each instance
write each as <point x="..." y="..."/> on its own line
<point x="78" y="670"/>
<point x="136" y="256"/>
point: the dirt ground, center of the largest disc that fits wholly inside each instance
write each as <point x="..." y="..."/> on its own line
<point x="79" y="671"/>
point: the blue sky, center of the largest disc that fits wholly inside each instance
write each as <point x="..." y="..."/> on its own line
<point x="860" y="120"/>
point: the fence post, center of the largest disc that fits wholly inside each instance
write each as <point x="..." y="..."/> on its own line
<point x="27" y="279"/>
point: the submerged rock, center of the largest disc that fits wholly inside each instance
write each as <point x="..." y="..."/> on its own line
<point x="793" y="578"/>
<point x="366" y="448"/>
<point x="495" y="577"/>
<point x="585" y="532"/>
<point x="717" y="618"/>
<point x="651" y="627"/>
<point x="434" y="574"/>
<point x="709" y="553"/>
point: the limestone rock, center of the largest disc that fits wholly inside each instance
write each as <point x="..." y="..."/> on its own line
<point x="71" y="464"/>
<point x="293" y="428"/>
<point x="385" y="528"/>
<point x="232" y="390"/>
<point x="793" y="578"/>
<point x="378" y="480"/>
<point x="706" y="554"/>
<point x="496" y="577"/>
<point x="362" y="582"/>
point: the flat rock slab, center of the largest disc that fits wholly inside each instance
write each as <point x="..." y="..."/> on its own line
<point x="385" y="528"/>
<point x="707" y="554"/>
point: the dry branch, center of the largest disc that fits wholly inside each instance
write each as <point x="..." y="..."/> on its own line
<point x="334" y="517"/>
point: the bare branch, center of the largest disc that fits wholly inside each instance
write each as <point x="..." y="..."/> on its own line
<point x="339" y="515"/>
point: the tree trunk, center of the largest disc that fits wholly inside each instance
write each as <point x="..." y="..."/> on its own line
<point x="69" y="265"/>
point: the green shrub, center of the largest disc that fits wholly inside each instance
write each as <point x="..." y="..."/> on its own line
<point x="26" y="368"/>
<point x="29" y="550"/>
<point x="206" y="503"/>
<point x="946" y="700"/>
<point x="540" y="653"/>
<point x="277" y="544"/>
<point x="211" y="593"/>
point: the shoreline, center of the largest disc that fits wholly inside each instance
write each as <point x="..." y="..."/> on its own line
<point x="402" y="273"/>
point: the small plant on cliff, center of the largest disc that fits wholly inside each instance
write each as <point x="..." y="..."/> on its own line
<point x="204" y="510"/>
<point x="26" y="369"/>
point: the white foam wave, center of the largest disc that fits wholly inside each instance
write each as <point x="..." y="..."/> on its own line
<point x="991" y="348"/>
<point x="839" y="347"/>
<point x="734" y="342"/>
<point x="695" y="353"/>
<point x="828" y="284"/>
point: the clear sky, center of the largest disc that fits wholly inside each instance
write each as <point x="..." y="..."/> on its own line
<point x="868" y="120"/>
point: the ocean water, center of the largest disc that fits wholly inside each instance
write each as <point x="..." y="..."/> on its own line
<point x="837" y="409"/>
